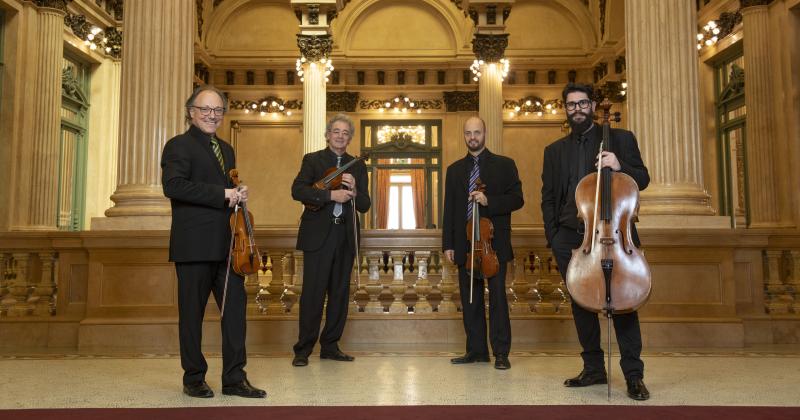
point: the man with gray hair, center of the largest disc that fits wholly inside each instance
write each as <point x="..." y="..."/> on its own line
<point x="194" y="174"/>
<point x="328" y="237"/>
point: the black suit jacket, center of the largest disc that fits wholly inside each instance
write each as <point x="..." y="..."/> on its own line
<point x="504" y="195"/>
<point x="315" y="225"/>
<point x="195" y="184"/>
<point x="555" y="174"/>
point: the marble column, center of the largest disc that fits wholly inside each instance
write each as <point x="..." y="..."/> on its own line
<point x="157" y="65"/>
<point x="489" y="45"/>
<point x="663" y="104"/>
<point x="315" y="43"/>
<point x="314" y="105"/>
<point x="760" y="129"/>
<point x="490" y="104"/>
<point x="45" y="131"/>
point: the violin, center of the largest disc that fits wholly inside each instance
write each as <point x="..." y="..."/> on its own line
<point x="480" y="232"/>
<point x="608" y="273"/>
<point x="332" y="179"/>
<point x="245" y="257"/>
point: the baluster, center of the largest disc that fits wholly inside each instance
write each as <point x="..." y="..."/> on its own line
<point x="297" y="280"/>
<point x="775" y="289"/>
<point x="288" y="296"/>
<point x="398" y="286"/>
<point x="520" y="287"/>
<point x="448" y="286"/>
<point x="19" y="287"/>
<point x="264" y="295"/>
<point x="793" y="282"/>
<point x="45" y="291"/>
<point x="252" y="287"/>
<point x="423" y="286"/>
<point x="374" y="286"/>
<point x="353" y="287"/>
<point x="434" y="297"/>
<point x="275" y="286"/>
<point x="5" y="274"/>
<point x="410" y="298"/>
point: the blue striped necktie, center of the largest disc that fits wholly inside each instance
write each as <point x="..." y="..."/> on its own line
<point x="337" y="208"/>
<point x="474" y="174"/>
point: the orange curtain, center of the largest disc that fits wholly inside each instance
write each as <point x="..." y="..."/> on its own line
<point x="418" y="190"/>
<point x="382" y="203"/>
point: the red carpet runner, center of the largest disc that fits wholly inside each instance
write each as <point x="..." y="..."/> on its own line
<point x="597" y="412"/>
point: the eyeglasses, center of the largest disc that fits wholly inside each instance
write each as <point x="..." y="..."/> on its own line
<point x="583" y="104"/>
<point x="206" y="111"/>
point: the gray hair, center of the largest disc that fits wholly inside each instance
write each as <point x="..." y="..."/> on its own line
<point x="344" y="118"/>
<point x="197" y="91"/>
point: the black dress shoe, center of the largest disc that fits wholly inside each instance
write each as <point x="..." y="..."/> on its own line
<point x="198" y="390"/>
<point x="469" y="358"/>
<point x="637" y="390"/>
<point x="586" y="379"/>
<point x="244" y="389"/>
<point x="337" y="355"/>
<point x="300" y="360"/>
<point x="502" y="363"/>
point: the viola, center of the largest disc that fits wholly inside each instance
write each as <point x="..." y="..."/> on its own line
<point x="332" y="179"/>
<point x="480" y="232"/>
<point x="608" y="273"/>
<point x="245" y="257"/>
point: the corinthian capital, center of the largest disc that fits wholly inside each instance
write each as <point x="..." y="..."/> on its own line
<point x="315" y="47"/>
<point x="489" y="47"/>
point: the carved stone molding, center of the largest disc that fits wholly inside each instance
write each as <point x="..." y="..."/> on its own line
<point x="269" y="104"/>
<point x="751" y="3"/>
<point x="417" y="103"/>
<point x="53" y="4"/>
<point x="315" y="47"/>
<point x="341" y="101"/>
<point x="488" y="47"/>
<point x="108" y="41"/>
<point x="199" y="4"/>
<point x="461" y="101"/>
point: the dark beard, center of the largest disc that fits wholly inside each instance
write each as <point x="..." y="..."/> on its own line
<point x="580" y="127"/>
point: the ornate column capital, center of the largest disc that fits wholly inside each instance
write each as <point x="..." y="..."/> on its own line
<point x="490" y="16"/>
<point x="53" y="4"/>
<point x="314" y="47"/>
<point x="750" y="3"/>
<point x="490" y="47"/>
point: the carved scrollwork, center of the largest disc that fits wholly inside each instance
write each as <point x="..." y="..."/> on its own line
<point x="461" y="101"/>
<point x="489" y="47"/>
<point x="315" y="47"/>
<point x="341" y="101"/>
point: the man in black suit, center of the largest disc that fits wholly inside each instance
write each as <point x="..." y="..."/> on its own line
<point x="502" y="196"/>
<point x="566" y="162"/>
<point x="328" y="239"/>
<point x="194" y="175"/>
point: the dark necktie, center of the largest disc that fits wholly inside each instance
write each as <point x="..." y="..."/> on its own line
<point x="337" y="209"/>
<point x="474" y="174"/>
<point x="581" y="157"/>
<point x="218" y="153"/>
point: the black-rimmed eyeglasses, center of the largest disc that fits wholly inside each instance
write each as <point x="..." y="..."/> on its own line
<point x="206" y="111"/>
<point x="582" y="104"/>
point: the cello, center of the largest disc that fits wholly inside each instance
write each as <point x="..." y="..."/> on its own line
<point x="243" y="254"/>
<point x="480" y="232"/>
<point x="608" y="273"/>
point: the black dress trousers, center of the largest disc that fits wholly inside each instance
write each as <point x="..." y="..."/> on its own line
<point x="474" y="314"/>
<point x="196" y="281"/>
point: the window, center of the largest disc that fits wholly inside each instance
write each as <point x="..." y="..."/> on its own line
<point x="732" y="145"/>
<point x="401" y="203"/>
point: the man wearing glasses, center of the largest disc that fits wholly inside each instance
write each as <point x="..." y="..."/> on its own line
<point x="328" y="238"/>
<point x="194" y="168"/>
<point x="566" y="162"/>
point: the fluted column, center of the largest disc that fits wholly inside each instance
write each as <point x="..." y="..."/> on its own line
<point x="760" y="132"/>
<point x="157" y="66"/>
<point x="44" y="178"/>
<point x="490" y="105"/>
<point x="315" y="44"/>
<point x="663" y="104"/>
<point x="314" y="103"/>
<point x="489" y="46"/>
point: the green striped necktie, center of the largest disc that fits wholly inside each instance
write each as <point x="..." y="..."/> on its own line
<point x="218" y="152"/>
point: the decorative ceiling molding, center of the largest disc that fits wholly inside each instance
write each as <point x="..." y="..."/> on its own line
<point x="461" y="101"/>
<point x="341" y="101"/>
